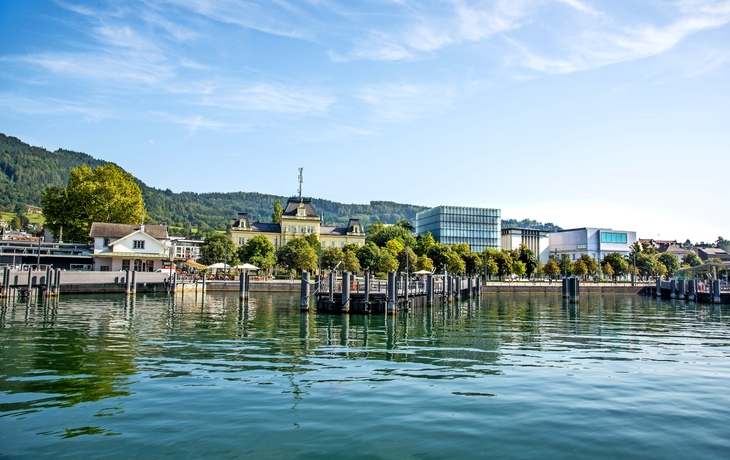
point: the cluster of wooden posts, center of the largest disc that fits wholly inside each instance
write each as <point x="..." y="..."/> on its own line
<point x="35" y="284"/>
<point x="397" y="293"/>
<point x="692" y="291"/>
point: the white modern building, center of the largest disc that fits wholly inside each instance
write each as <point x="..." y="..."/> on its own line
<point x="536" y="240"/>
<point x="596" y="242"/>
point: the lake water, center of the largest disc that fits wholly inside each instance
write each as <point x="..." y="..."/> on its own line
<point x="499" y="377"/>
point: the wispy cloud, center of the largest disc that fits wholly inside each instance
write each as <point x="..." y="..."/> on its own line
<point x="193" y="123"/>
<point x="403" y="102"/>
<point x="15" y="104"/>
<point x="268" y="97"/>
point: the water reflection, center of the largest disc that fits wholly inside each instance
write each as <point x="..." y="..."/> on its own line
<point x="59" y="353"/>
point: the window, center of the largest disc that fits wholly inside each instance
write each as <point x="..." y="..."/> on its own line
<point x="138" y="244"/>
<point x="104" y="268"/>
<point x="137" y="265"/>
<point x="342" y="244"/>
<point x="125" y="264"/>
<point x="106" y="242"/>
<point x="609" y="237"/>
<point x="241" y="240"/>
<point x="150" y="266"/>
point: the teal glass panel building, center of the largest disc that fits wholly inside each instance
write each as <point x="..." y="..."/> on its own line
<point x="480" y="228"/>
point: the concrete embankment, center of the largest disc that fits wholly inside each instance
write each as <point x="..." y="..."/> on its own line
<point x="555" y="288"/>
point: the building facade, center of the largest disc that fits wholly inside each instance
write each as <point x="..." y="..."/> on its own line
<point x="596" y="242"/>
<point x="480" y="228"/>
<point x="536" y="240"/>
<point x="129" y="247"/>
<point x="299" y="219"/>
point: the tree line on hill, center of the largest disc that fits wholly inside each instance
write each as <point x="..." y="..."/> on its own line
<point x="26" y="172"/>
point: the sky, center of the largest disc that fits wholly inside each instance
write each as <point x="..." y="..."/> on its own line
<point x="597" y="113"/>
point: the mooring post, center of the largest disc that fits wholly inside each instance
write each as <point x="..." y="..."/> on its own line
<point x="57" y="281"/>
<point x="405" y="288"/>
<point x="470" y="286"/>
<point x="691" y="290"/>
<point x="47" y="284"/>
<point x="128" y="282"/>
<point x="681" y="290"/>
<point x="203" y="279"/>
<point x="304" y="304"/>
<point x="445" y="293"/>
<point x="366" y="298"/>
<point x="429" y="290"/>
<point x="345" y="292"/>
<point x="247" y="285"/>
<point x="391" y="293"/>
<point x="242" y="285"/>
<point x="134" y="282"/>
<point x="30" y="279"/>
<point x="716" y="291"/>
<point x="658" y="287"/>
<point x="331" y="293"/>
<point x="571" y="289"/>
<point x="565" y="287"/>
<point x="3" y="287"/>
<point x="673" y="289"/>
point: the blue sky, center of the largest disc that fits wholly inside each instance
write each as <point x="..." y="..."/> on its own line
<point x="578" y="112"/>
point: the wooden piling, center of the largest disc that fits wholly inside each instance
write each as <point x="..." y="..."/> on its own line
<point x="716" y="291"/>
<point x="134" y="282"/>
<point x="345" y="292"/>
<point x="429" y="290"/>
<point x="304" y="305"/>
<point x="128" y="282"/>
<point x="391" y="307"/>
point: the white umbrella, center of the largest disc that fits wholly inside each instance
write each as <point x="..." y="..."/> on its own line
<point x="246" y="266"/>
<point x="421" y="272"/>
<point x="219" y="265"/>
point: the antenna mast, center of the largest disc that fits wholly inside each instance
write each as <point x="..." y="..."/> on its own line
<point x="301" y="179"/>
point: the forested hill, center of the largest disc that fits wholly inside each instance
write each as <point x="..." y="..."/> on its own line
<point x="26" y="171"/>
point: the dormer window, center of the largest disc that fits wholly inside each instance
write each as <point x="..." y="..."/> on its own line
<point x="138" y="244"/>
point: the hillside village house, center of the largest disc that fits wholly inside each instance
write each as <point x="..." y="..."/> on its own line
<point x="298" y="219"/>
<point x="129" y="247"/>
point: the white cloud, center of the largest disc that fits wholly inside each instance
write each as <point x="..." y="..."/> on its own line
<point x="403" y="102"/>
<point x="270" y="98"/>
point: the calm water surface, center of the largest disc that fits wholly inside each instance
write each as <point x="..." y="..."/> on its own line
<point x="501" y="377"/>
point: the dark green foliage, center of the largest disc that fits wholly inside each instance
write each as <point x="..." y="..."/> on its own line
<point x="218" y="248"/>
<point x="529" y="223"/>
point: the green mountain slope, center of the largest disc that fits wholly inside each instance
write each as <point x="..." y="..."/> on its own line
<point x="26" y="171"/>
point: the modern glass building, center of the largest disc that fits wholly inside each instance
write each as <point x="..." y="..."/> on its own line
<point x="480" y="228"/>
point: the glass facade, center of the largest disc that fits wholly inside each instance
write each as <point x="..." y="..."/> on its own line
<point x="610" y="237"/>
<point x="480" y="228"/>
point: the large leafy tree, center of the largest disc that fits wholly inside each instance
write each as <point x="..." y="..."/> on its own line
<point x="387" y="262"/>
<point x="692" y="259"/>
<point x="382" y="234"/>
<point x="103" y="194"/>
<point x="424" y="263"/>
<point x="352" y="264"/>
<point x="618" y="264"/>
<point x="298" y="254"/>
<point x="580" y="268"/>
<point x="551" y="269"/>
<point x="369" y="256"/>
<point x="407" y="259"/>
<point x="669" y="261"/>
<point x="591" y="264"/>
<point x="472" y="262"/>
<point x="258" y="251"/>
<point x="331" y="257"/>
<point x="440" y="255"/>
<point x="519" y="268"/>
<point x="527" y="257"/>
<point x="424" y="243"/>
<point x="218" y="248"/>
